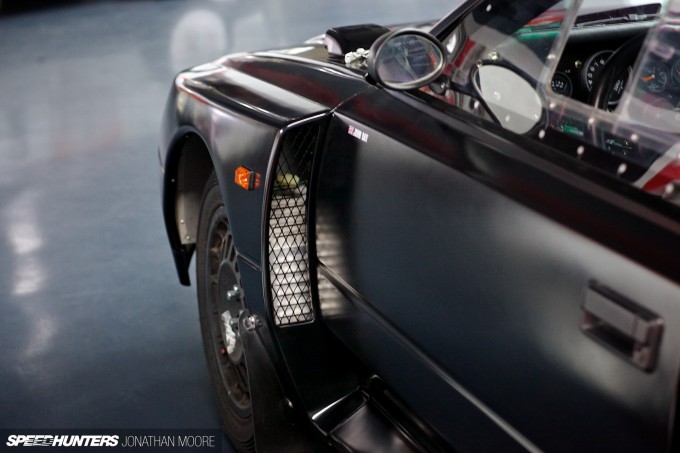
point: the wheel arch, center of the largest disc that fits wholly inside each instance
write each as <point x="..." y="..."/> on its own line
<point x="188" y="166"/>
<point x="222" y="119"/>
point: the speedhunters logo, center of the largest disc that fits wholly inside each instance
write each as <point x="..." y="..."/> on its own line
<point x="112" y="440"/>
<point x="46" y="440"/>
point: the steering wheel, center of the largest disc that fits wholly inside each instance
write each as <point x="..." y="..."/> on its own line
<point x="614" y="70"/>
<point x="604" y="88"/>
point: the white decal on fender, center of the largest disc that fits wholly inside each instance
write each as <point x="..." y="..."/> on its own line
<point x="354" y="132"/>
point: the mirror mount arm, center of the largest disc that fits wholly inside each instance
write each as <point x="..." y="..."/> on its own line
<point x="440" y="85"/>
<point x="370" y="80"/>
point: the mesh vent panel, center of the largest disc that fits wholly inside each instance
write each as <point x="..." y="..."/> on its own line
<point x="288" y="255"/>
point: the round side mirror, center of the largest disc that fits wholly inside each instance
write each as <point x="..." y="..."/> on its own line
<point x="406" y="59"/>
<point x="514" y="102"/>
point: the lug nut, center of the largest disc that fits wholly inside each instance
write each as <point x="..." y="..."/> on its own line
<point x="234" y="293"/>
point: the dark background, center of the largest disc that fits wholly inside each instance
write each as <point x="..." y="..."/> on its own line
<point x="95" y="330"/>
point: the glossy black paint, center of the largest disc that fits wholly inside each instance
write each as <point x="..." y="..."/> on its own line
<point x="238" y="108"/>
<point x="276" y="421"/>
<point x="240" y="120"/>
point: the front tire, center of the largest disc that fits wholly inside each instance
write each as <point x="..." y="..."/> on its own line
<point x="220" y="303"/>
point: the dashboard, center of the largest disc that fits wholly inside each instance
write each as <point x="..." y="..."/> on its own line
<point x="658" y="81"/>
<point x="659" y="78"/>
<point x="651" y="117"/>
<point x="584" y="59"/>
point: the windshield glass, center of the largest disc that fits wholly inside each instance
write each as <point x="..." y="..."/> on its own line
<point x="597" y="80"/>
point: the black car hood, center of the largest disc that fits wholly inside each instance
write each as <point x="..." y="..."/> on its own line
<point x="307" y="70"/>
<point x="313" y="52"/>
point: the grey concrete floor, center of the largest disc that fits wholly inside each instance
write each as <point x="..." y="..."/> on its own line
<point x="95" y="330"/>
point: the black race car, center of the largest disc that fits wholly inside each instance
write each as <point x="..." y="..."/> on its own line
<point x="460" y="236"/>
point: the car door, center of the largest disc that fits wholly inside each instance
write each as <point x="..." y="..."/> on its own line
<point x="512" y="297"/>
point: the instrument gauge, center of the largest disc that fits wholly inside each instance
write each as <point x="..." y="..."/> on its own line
<point x="592" y="71"/>
<point x="593" y="67"/>
<point x="675" y="72"/>
<point x="654" y="77"/>
<point x="561" y="84"/>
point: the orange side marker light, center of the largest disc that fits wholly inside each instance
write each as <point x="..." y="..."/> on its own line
<point x="247" y="179"/>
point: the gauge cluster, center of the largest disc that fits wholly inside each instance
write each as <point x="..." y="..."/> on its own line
<point x="582" y="64"/>
<point x="576" y="75"/>
<point x="579" y="71"/>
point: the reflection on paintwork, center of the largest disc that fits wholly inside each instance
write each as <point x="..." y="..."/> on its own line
<point x="331" y="300"/>
<point x="297" y="50"/>
<point x="580" y="358"/>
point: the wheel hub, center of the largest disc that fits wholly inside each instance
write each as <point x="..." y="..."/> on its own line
<point x="229" y="310"/>
<point x="229" y="327"/>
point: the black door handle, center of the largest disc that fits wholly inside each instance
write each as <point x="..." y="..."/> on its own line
<point x="619" y="323"/>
